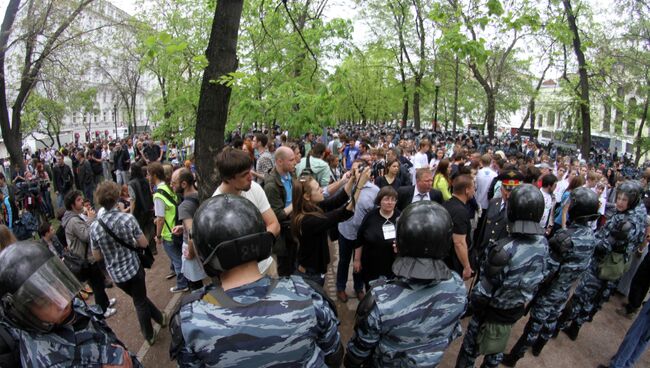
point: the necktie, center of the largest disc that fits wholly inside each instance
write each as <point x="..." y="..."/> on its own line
<point x="422" y="196"/>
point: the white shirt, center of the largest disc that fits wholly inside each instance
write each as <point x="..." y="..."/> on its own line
<point x="255" y="194"/>
<point x="419" y="160"/>
<point x="561" y="187"/>
<point x="484" y="178"/>
<point x="417" y="198"/>
<point x="434" y="163"/>
<point x="549" y="203"/>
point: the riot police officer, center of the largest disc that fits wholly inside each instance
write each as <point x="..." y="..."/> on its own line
<point x="615" y="242"/>
<point x="514" y="268"/>
<point x="245" y="319"/>
<point x="571" y="250"/>
<point x="410" y="320"/>
<point x="53" y="328"/>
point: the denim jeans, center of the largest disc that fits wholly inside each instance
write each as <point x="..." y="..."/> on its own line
<point x="346" y="250"/>
<point x="122" y="176"/>
<point x="59" y="200"/>
<point x="635" y="342"/>
<point x="144" y="308"/>
<point x="175" y="255"/>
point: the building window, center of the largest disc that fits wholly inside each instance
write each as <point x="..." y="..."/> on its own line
<point x="540" y="120"/>
<point x="550" y="119"/>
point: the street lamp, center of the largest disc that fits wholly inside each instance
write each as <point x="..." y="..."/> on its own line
<point x="435" y="105"/>
<point x="115" y="119"/>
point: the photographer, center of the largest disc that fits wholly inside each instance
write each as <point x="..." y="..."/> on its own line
<point x="313" y="216"/>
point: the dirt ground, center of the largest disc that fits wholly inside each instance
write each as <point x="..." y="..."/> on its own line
<point x="597" y="342"/>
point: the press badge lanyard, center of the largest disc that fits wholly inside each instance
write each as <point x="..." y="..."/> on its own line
<point x="388" y="228"/>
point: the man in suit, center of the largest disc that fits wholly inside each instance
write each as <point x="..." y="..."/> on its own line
<point x="421" y="191"/>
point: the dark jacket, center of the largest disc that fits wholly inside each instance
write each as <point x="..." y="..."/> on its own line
<point x="86" y="176"/>
<point x="122" y="159"/>
<point x="494" y="225"/>
<point x="405" y="196"/>
<point x="276" y="194"/>
<point x="63" y="178"/>
<point x="313" y="251"/>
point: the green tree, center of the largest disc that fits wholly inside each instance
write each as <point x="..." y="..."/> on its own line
<point x="44" y="27"/>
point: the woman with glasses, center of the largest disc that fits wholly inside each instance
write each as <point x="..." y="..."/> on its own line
<point x="374" y="255"/>
<point x="313" y="216"/>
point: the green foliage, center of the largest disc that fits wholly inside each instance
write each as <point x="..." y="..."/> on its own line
<point x="42" y="115"/>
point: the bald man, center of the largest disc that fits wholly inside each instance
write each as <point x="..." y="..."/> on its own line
<point x="278" y="185"/>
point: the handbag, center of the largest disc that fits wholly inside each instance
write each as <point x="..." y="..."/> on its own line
<point x="493" y="338"/>
<point x="144" y="254"/>
<point x="76" y="264"/>
<point x="613" y="266"/>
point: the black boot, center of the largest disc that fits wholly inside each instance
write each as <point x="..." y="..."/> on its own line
<point x="572" y="331"/>
<point x="510" y="360"/>
<point x="538" y="346"/>
<point x="461" y="361"/>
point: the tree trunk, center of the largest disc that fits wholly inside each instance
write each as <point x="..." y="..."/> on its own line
<point x="585" y="114"/>
<point x="532" y="115"/>
<point x="212" y="112"/>
<point x="490" y="113"/>
<point x="405" y="97"/>
<point x="456" y="88"/>
<point x="416" y="103"/>
<point x="10" y="133"/>
<point x="531" y="104"/>
<point x="644" y="117"/>
<point x="30" y="71"/>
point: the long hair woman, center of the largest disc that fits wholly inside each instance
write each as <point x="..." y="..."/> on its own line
<point x="390" y="177"/>
<point x="441" y="179"/>
<point x="313" y="216"/>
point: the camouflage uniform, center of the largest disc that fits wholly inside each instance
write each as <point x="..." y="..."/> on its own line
<point x="500" y="297"/>
<point x="292" y="325"/>
<point x="592" y="292"/>
<point x="88" y="342"/>
<point x="410" y="324"/>
<point x="566" y="268"/>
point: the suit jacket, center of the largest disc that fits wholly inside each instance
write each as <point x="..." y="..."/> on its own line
<point x="495" y="224"/>
<point x="405" y="196"/>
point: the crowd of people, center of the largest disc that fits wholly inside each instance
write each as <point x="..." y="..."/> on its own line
<point x="421" y="217"/>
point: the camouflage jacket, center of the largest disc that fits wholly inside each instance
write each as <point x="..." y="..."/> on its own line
<point x="574" y="262"/>
<point x="516" y="282"/>
<point x="637" y="217"/>
<point x="411" y="323"/>
<point x="88" y="342"/>
<point x="292" y="326"/>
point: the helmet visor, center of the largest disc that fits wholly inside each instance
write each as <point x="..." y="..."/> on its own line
<point x="45" y="295"/>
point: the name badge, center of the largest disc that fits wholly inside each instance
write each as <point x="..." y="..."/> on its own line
<point x="389" y="231"/>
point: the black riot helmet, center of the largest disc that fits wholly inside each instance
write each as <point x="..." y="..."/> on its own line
<point x="632" y="189"/>
<point x="583" y="205"/>
<point x="36" y="288"/>
<point x="424" y="231"/>
<point x="525" y="209"/>
<point x="227" y="231"/>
